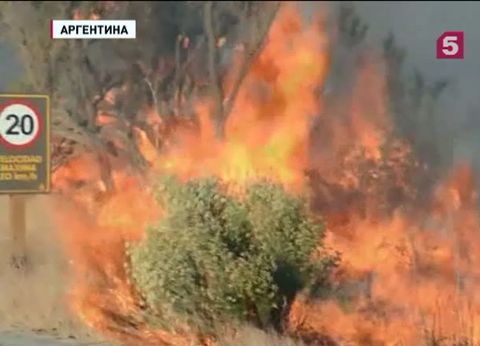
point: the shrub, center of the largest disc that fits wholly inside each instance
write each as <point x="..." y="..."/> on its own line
<point x="215" y="258"/>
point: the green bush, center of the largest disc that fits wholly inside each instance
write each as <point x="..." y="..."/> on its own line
<point x="215" y="258"/>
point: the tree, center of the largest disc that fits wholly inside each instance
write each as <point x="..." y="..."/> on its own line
<point x="257" y="18"/>
<point x="162" y="70"/>
<point x="413" y="103"/>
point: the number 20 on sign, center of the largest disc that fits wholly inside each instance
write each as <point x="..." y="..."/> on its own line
<point x="24" y="144"/>
<point x="450" y="45"/>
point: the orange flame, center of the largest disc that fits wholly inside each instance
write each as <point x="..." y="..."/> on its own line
<point x="267" y="131"/>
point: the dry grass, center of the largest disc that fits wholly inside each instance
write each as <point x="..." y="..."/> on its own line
<point x="35" y="299"/>
<point x="250" y="336"/>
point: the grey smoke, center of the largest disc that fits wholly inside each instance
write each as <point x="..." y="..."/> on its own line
<point x="9" y="67"/>
<point x="416" y="26"/>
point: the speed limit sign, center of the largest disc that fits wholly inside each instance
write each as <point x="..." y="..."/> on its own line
<point x="20" y="124"/>
<point x="24" y="144"/>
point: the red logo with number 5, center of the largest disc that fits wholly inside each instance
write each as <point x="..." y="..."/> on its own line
<point x="450" y="45"/>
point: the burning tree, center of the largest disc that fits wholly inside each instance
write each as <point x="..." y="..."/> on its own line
<point x="256" y="19"/>
<point x="105" y="92"/>
<point x="414" y="104"/>
<point x="404" y="106"/>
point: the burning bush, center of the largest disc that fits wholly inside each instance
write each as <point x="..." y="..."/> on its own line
<point x="215" y="258"/>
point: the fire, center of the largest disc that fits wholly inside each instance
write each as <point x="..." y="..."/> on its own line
<point x="416" y="275"/>
<point x="267" y="132"/>
<point x="408" y="272"/>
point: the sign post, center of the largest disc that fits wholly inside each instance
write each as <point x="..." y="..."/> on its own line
<point x="24" y="159"/>
<point x="18" y="228"/>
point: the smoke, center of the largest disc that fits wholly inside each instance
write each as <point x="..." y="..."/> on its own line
<point x="9" y="66"/>
<point x="416" y="26"/>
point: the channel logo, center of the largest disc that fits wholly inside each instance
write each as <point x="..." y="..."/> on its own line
<point x="92" y="29"/>
<point x="450" y="45"/>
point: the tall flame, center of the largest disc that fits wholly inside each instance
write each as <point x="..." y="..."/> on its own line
<point x="267" y="131"/>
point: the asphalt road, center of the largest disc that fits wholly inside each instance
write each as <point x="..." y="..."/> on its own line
<point x="24" y="339"/>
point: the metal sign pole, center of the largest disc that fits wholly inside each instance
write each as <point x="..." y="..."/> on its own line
<point x="18" y="230"/>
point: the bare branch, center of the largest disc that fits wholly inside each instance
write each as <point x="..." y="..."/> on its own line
<point x="251" y="52"/>
<point x="212" y="66"/>
<point x="258" y="25"/>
